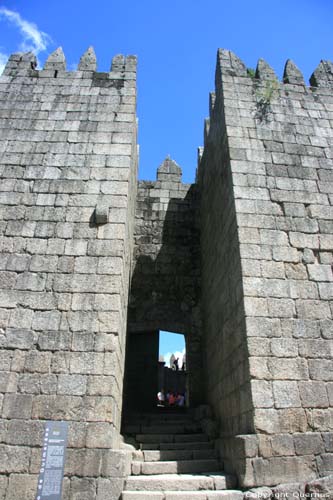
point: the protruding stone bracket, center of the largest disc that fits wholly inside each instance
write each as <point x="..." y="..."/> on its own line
<point x="56" y="61"/>
<point x="88" y="61"/>
<point x="101" y="214"/>
<point x="323" y="75"/>
<point x="292" y="74"/>
<point x="264" y="71"/>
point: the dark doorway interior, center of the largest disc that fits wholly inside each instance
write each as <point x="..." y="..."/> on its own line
<point x="141" y="371"/>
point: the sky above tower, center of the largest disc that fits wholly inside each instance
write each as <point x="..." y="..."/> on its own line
<point x="176" y="44"/>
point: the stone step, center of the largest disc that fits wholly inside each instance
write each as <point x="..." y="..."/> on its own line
<point x="203" y="445"/>
<point x="161" y="417"/>
<point x="162" y="429"/>
<point x="183" y="495"/>
<point x="175" y="467"/>
<point x="180" y="482"/>
<point x="166" y="455"/>
<point x="171" y="438"/>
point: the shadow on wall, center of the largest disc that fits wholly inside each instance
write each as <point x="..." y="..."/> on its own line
<point x="165" y="287"/>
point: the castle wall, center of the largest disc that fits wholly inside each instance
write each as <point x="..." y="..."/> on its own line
<point x="165" y="287"/>
<point x="68" y="164"/>
<point x="240" y="263"/>
<point x="267" y="170"/>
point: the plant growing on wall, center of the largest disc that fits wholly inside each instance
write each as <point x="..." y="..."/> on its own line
<point x="265" y="94"/>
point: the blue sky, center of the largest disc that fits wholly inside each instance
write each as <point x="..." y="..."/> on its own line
<point x="172" y="343"/>
<point x="176" y="44"/>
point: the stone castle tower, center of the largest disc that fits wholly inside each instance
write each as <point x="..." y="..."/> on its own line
<point x="94" y="263"/>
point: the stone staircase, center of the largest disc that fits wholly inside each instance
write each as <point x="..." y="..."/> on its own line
<point x="174" y="459"/>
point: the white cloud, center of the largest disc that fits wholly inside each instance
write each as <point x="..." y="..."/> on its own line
<point x="32" y="39"/>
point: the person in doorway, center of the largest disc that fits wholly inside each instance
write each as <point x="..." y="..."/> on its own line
<point x="172" y="399"/>
<point x="180" y="400"/>
<point x="167" y="398"/>
<point x="161" y="398"/>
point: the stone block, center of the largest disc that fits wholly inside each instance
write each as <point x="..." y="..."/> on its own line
<point x="266" y="421"/>
<point x="100" y="435"/>
<point x="320" y="272"/>
<point x="281" y="308"/>
<point x="255" y="306"/>
<point x="36" y="361"/>
<point x="288" y="491"/>
<point x="320" y="369"/>
<point x="20" y="338"/>
<point x="282" y="445"/>
<point x="312" y="309"/>
<point x="288" y="368"/>
<point x="17" y="406"/>
<point x="24" y="433"/>
<point x="82" y="488"/>
<point x="286" y="394"/>
<point x="22" y="486"/>
<point x="313" y="394"/>
<point x="276" y="470"/>
<point x="21" y="318"/>
<point x="46" y="320"/>
<point x="74" y="385"/>
<point x="245" y="445"/>
<point x="326" y="291"/>
<point x="284" y="347"/>
<point x="101" y="385"/>
<point x="309" y="443"/>
<point x="315" y="348"/>
<point x="3" y="487"/>
<point x="292" y="420"/>
<point x="54" y="340"/>
<point x="320" y="487"/>
<point x="111" y="489"/>
<point x="262" y="396"/>
<point x="326" y="327"/>
<point x="14" y="459"/>
<point x="325" y="464"/>
<point x="257" y="493"/>
<point x="263" y="327"/>
<point x="328" y="441"/>
<point x="87" y="363"/>
<point x="8" y="382"/>
<point x="296" y="271"/>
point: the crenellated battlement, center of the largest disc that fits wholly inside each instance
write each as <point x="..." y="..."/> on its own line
<point x="228" y="64"/>
<point x="25" y="64"/>
<point x="261" y="90"/>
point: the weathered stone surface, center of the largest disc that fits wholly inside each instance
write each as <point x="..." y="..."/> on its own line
<point x="88" y="60"/>
<point x="256" y="493"/>
<point x="322" y="486"/>
<point x="291" y="490"/>
<point x="292" y="74"/>
<point x="240" y="262"/>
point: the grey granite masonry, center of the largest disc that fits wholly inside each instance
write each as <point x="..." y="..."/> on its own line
<point x="240" y="262"/>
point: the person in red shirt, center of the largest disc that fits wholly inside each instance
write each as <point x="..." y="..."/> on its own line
<point x="172" y="399"/>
